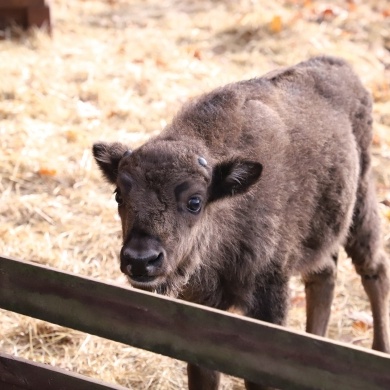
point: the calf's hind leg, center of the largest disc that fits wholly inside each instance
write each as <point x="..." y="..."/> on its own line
<point x="319" y="288"/>
<point x="364" y="246"/>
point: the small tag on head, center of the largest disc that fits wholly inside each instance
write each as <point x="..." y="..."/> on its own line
<point x="202" y="161"/>
<point x="127" y="153"/>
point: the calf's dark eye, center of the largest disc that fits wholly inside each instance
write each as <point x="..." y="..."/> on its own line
<point x="194" y="204"/>
<point x="118" y="197"/>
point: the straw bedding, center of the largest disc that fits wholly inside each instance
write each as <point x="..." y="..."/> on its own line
<point x="118" y="70"/>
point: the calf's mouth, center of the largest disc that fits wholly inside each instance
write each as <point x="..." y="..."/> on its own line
<point x="146" y="282"/>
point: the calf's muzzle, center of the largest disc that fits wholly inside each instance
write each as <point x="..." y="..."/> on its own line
<point x="141" y="264"/>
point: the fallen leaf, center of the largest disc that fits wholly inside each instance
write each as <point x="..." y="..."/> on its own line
<point x="198" y="54"/>
<point x="276" y="24"/>
<point x="376" y="139"/>
<point x="47" y="172"/>
<point x="386" y="13"/>
<point x="71" y="136"/>
<point x="361" y="316"/>
<point x="160" y="62"/>
<point x="381" y="91"/>
<point x="121" y="49"/>
<point x="307" y="3"/>
<point x="327" y="14"/>
<point x="351" y="6"/>
<point x="360" y="326"/>
<point x="298" y="300"/>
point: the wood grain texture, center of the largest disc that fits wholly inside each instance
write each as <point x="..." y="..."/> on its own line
<point x="25" y="13"/>
<point x="38" y="17"/>
<point x="21" y="3"/>
<point x="17" y="373"/>
<point x="241" y="347"/>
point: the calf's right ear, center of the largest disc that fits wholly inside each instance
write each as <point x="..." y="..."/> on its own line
<point x="107" y="157"/>
<point x="233" y="178"/>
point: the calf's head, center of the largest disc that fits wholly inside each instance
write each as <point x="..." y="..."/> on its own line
<point x="165" y="192"/>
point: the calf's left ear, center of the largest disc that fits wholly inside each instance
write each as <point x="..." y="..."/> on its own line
<point x="107" y="157"/>
<point x="234" y="177"/>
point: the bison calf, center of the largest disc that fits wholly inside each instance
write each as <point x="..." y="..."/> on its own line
<point x="249" y="184"/>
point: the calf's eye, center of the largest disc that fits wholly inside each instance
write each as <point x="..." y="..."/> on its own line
<point x="194" y="204"/>
<point x="118" y="197"/>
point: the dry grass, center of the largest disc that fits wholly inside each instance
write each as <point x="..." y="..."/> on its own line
<point x="118" y="70"/>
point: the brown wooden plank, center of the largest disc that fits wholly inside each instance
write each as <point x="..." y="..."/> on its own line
<point x="38" y="17"/>
<point x="21" y="3"/>
<point x="12" y="16"/>
<point x="17" y="373"/>
<point x="24" y="13"/>
<point x="241" y="347"/>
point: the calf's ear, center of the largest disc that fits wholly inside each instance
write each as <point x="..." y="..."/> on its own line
<point x="107" y="157"/>
<point x="233" y="177"/>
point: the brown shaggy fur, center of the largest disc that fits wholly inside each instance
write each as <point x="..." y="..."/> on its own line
<point x="283" y="181"/>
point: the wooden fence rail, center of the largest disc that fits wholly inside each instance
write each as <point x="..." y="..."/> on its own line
<point x="235" y="345"/>
<point x="24" y="13"/>
<point x="20" y="374"/>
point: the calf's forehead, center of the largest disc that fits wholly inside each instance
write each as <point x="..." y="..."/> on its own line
<point x="162" y="169"/>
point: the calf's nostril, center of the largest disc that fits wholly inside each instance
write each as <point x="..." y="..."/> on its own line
<point x="156" y="260"/>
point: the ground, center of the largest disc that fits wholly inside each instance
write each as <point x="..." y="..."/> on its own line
<point x="119" y="70"/>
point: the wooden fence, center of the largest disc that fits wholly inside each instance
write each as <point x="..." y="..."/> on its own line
<point x="24" y="13"/>
<point x="234" y="345"/>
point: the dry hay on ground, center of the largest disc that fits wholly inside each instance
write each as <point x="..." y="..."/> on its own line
<point x="118" y="70"/>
